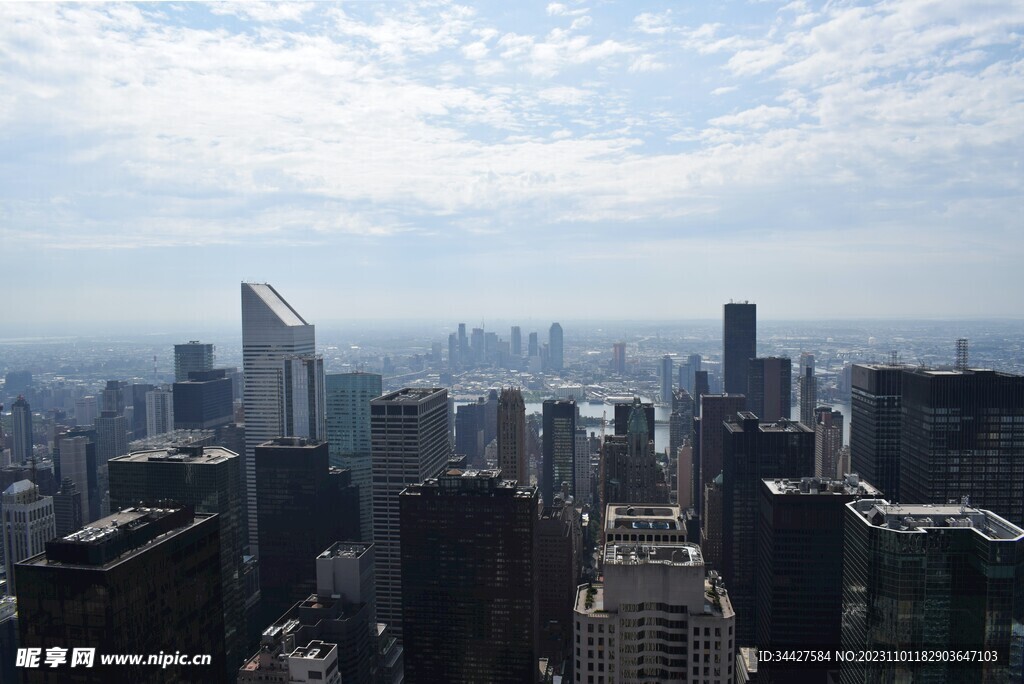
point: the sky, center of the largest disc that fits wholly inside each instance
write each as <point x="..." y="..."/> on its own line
<point x="616" y="160"/>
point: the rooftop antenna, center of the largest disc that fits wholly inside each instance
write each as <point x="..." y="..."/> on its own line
<point x="961" y="354"/>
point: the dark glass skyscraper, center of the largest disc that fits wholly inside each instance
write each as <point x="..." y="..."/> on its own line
<point x="193" y="357"/>
<point x="467" y="579"/>
<point x="21" y="431"/>
<point x="770" y="388"/>
<point x="559" y="448"/>
<point x="203" y="401"/>
<point x="739" y="341"/>
<point x="875" y="405"/>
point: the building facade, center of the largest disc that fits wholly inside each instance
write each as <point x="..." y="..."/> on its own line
<point x="739" y="345"/>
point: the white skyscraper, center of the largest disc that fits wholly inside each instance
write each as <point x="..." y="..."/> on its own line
<point x="28" y="523"/>
<point x="272" y="331"/>
<point x="159" y="412"/>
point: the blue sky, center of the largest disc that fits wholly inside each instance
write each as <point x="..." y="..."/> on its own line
<point x="431" y="159"/>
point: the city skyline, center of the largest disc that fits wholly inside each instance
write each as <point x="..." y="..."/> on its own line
<point x="462" y="146"/>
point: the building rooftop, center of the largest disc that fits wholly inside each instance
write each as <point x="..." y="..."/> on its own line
<point x="180" y="454"/>
<point x="850" y="485"/>
<point x="469" y="480"/>
<point x="643" y="517"/>
<point x="590" y="600"/>
<point x="314" y="650"/>
<point x="20" y="487"/>
<point x="276" y="303"/>
<point x="292" y="442"/>
<point x="918" y="518"/>
<point x="345" y="550"/>
<point x="409" y="395"/>
<point x="626" y="553"/>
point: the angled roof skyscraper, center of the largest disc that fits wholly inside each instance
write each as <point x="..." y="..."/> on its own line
<point x="272" y="331"/>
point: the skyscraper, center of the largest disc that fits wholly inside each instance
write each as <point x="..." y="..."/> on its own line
<point x="534" y="347"/>
<point x="516" y="348"/>
<point x="935" y="577"/>
<point x="192" y="357"/>
<point x="876" y="398"/>
<point x="304" y="398"/>
<point x="477" y="346"/>
<point x="559" y="448"/>
<point x="467" y="579"/>
<point x="21" y="431"/>
<point x="754" y="450"/>
<point x="961" y="435"/>
<point x="79" y="462"/>
<point x="27" y="524"/>
<point x="666" y="379"/>
<point x="557" y="547"/>
<point x="624" y="411"/>
<point x="67" y="508"/>
<point x="828" y="440"/>
<point x="159" y="412"/>
<point x="680" y="421"/>
<point x="769" y="388"/>
<point x="555" y="347"/>
<point x="105" y="586"/>
<point x="111" y="436"/>
<point x="208" y="480"/>
<point x="409" y="435"/>
<point x="808" y="389"/>
<point x="619" y="358"/>
<point x="512" y="436"/>
<point x="701" y="386"/>
<point x="348" y="434"/>
<point x="629" y="467"/>
<point x="715" y="408"/>
<point x="272" y="331"/>
<point x="739" y="340"/>
<point x="137" y="392"/>
<point x="203" y="401"/>
<point x="469" y="432"/>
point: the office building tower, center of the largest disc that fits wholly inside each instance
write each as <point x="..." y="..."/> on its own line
<point x="754" y="450"/>
<point x="715" y="408"/>
<point x="21" y="431"/>
<point x="469" y="432"/>
<point x="79" y="462"/>
<point x="207" y="480"/>
<point x="583" y="488"/>
<point x="961" y="435"/>
<point x="409" y="437"/>
<point x="463" y="345"/>
<point x="348" y="434"/>
<point x="272" y="331"/>
<point x="67" y="508"/>
<point x="103" y="587"/>
<point x="828" y="440"/>
<point x="619" y="358"/>
<point x="138" y="392"/>
<point x="512" y="436"/>
<point x="304" y="398"/>
<point x="739" y="342"/>
<point x="159" y="412"/>
<point x="629" y="466"/>
<point x="203" y="401"/>
<point x="808" y="390"/>
<point x="112" y="398"/>
<point x="476" y="344"/>
<point x="453" y="352"/>
<point x="559" y="448"/>
<point x="491" y="417"/>
<point x="28" y="523"/>
<point x="467" y="579"/>
<point x="799" y="572"/>
<point x="680" y="421"/>
<point x="875" y="417"/>
<point x="295" y="485"/>
<point x="624" y="412"/>
<point x="684" y="476"/>
<point x="533" y="346"/>
<point x="556" y="351"/>
<point x="516" y="348"/>
<point x="769" y="388"/>
<point x="931" y="577"/>
<point x="193" y="357"/>
<point x="666" y="379"/>
<point x="557" y="549"/>
<point x="86" y="410"/>
<point x="701" y="386"/>
<point x="711" y="522"/>
<point x="111" y="436"/>
<point x="654" y="584"/>
<point x="693" y="365"/>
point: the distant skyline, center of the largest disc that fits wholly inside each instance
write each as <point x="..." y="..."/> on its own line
<point x="536" y="161"/>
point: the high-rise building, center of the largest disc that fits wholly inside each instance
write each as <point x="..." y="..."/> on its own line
<point x="875" y="404"/>
<point x="453" y="352"/>
<point x="555" y="348"/>
<point x="463" y="345"/>
<point x="715" y="408"/>
<point x="828" y="440"/>
<point x="666" y="379"/>
<point x="558" y="466"/>
<point x="78" y="461"/>
<point x="159" y="412"/>
<point x="808" y="389"/>
<point x="67" y="508"/>
<point x="203" y="401"/>
<point x="208" y="480"/>
<point x="739" y="341"/>
<point x="21" y="431"/>
<point x="138" y="392"/>
<point x="491" y="417"/>
<point x="304" y="398"/>
<point x="557" y="548"/>
<point x="701" y="386"/>
<point x="931" y="577"/>
<point x="86" y="410"/>
<point x="304" y="507"/>
<point x="962" y="434"/>
<point x="769" y="388"/>
<point x="409" y="437"/>
<point x="28" y="523"/>
<point x="467" y="579"/>
<point x="476" y="344"/>
<point x="533" y="346"/>
<point x="799" y="572"/>
<point x="516" y="348"/>
<point x="619" y="358"/>
<point x="272" y="331"/>
<point x="583" y="487"/>
<point x="469" y="432"/>
<point x="112" y="398"/>
<point x="654" y="584"/>
<point x="684" y="475"/>
<point x="145" y="580"/>
<point x="629" y="466"/>
<point x="624" y="412"/>
<point x="193" y="357"/>
<point x="711" y="522"/>
<point x="680" y="421"/>
<point x="512" y="436"/>
<point x="111" y="436"/>
<point x="754" y="450"/>
<point x="348" y="434"/>
<point x="693" y="364"/>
